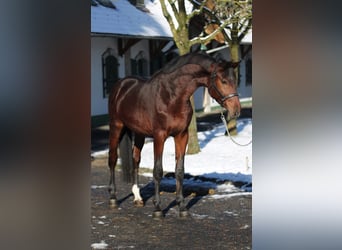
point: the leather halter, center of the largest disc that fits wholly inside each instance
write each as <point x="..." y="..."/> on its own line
<point x="213" y="85"/>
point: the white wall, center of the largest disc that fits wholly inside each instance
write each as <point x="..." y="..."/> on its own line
<point x="98" y="46"/>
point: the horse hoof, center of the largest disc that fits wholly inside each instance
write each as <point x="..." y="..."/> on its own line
<point x="183" y="213"/>
<point x="158" y="214"/>
<point x="113" y="203"/>
<point x="138" y="203"/>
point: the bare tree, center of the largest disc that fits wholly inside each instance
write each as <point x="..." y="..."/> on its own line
<point x="239" y="13"/>
<point x="230" y="18"/>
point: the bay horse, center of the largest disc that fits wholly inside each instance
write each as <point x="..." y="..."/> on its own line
<point x="160" y="107"/>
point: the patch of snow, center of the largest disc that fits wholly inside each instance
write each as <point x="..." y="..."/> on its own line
<point x="230" y="213"/>
<point x="199" y="216"/>
<point x="96" y="186"/>
<point x="100" y="153"/>
<point x="227" y="188"/>
<point x="147" y="174"/>
<point x="101" y="245"/>
<point x="221" y="196"/>
<point x="244" y="227"/>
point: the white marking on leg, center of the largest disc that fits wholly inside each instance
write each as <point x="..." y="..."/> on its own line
<point x="136" y="193"/>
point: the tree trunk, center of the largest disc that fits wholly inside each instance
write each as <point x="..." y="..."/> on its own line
<point x="234" y="57"/>
<point x="193" y="145"/>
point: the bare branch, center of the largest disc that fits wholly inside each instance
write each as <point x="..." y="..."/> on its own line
<point x="208" y="38"/>
<point x="246" y="30"/>
<point x="174" y="9"/>
<point x="225" y="24"/>
<point x="196" y="11"/>
<point x="203" y="8"/>
<point x="168" y="17"/>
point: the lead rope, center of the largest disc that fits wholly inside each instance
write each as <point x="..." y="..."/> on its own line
<point x="226" y="126"/>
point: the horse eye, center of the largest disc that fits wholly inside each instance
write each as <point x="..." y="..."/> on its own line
<point x="224" y="81"/>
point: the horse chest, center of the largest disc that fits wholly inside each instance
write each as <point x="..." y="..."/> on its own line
<point x="179" y="123"/>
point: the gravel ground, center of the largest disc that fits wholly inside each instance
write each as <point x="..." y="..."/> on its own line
<point x="214" y="223"/>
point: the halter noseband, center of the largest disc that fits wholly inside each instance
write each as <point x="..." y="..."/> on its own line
<point x="213" y="85"/>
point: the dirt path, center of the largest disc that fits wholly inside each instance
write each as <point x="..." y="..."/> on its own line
<point x="215" y="223"/>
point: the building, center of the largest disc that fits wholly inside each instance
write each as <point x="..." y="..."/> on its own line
<point x="133" y="38"/>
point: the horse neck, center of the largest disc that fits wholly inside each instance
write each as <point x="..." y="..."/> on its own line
<point x="189" y="82"/>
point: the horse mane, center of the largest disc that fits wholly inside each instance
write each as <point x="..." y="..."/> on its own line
<point x="200" y="59"/>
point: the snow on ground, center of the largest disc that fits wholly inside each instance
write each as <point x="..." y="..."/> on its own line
<point x="219" y="157"/>
<point x="101" y="245"/>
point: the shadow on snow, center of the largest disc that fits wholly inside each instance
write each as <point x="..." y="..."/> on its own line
<point x="196" y="187"/>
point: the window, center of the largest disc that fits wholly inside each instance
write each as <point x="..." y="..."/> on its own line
<point x="158" y="61"/>
<point x="139" y="65"/>
<point x="110" y="71"/>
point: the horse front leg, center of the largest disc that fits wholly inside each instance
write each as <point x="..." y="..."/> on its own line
<point x="114" y="137"/>
<point x="139" y="141"/>
<point x="181" y="141"/>
<point x="158" y="173"/>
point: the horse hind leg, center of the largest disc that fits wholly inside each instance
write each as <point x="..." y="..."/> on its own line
<point x="139" y="141"/>
<point x="114" y="137"/>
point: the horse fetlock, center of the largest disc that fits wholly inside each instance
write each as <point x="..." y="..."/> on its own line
<point x="183" y="213"/>
<point x="136" y="192"/>
<point x="158" y="214"/>
<point x="113" y="203"/>
<point x="138" y="203"/>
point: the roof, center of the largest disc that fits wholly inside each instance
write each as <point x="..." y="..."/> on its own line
<point x="127" y="20"/>
<point x="124" y="19"/>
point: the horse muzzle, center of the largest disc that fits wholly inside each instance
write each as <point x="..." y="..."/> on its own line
<point x="233" y="115"/>
<point x="233" y="112"/>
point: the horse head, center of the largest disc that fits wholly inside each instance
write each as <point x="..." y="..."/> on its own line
<point x="223" y="88"/>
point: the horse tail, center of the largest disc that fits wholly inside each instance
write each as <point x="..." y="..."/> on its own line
<point x="126" y="155"/>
